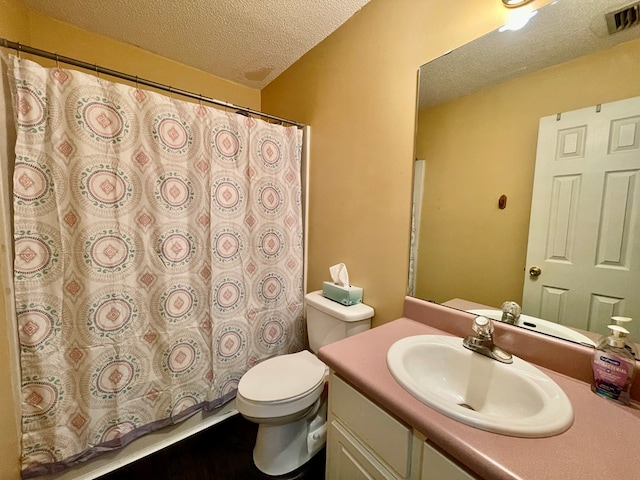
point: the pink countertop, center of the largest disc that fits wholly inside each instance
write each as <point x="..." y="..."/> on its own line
<point x="601" y="443"/>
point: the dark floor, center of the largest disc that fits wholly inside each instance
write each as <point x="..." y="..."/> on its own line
<point x="222" y="452"/>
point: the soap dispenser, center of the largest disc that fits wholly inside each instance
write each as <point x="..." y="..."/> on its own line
<point x="613" y="366"/>
<point x="623" y="322"/>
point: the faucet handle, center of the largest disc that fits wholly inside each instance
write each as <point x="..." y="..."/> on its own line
<point x="483" y="343"/>
<point x="483" y="326"/>
<point x="510" y="312"/>
<point x="512" y="307"/>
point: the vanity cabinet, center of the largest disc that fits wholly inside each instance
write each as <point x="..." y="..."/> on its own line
<point x="436" y="466"/>
<point x="366" y="442"/>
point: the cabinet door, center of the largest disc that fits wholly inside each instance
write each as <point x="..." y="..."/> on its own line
<point x="347" y="459"/>
<point x="435" y="466"/>
<point x="381" y="433"/>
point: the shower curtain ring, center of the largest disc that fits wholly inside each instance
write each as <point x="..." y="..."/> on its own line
<point x="19" y="49"/>
<point x="57" y="62"/>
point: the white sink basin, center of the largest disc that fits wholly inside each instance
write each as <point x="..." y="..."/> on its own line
<point x="512" y="399"/>
<point x="539" y="325"/>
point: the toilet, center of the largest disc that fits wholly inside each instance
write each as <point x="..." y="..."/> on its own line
<point x="287" y="396"/>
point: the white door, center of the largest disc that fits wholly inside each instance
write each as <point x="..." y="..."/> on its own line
<point x="584" y="232"/>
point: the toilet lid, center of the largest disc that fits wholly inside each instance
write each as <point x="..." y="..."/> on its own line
<point x="283" y="377"/>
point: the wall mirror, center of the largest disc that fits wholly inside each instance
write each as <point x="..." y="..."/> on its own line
<point x="477" y="139"/>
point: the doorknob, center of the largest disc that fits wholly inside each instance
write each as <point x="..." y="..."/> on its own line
<point x="535" y="271"/>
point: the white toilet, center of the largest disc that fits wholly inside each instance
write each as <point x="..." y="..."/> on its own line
<point x="286" y="395"/>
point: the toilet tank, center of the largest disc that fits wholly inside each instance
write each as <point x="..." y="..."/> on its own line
<point x="329" y="321"/>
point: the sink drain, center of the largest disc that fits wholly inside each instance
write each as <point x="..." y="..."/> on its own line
<point x="466" y="406"/>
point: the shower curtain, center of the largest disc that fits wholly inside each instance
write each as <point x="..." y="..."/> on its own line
<point x="158" y="255"/>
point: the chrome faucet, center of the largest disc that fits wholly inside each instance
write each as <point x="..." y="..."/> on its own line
<point x="510" y="312"/>
<point x="483" y="344"/>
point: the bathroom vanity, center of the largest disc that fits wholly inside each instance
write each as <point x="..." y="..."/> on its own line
<point x="365" y="441"/>
<point x="378" y="430"/>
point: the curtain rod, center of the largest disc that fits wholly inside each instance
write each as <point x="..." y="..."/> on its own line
<point x="137" y="80"/>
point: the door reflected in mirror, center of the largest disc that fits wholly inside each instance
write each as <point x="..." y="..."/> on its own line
<point x="478" y="121"/>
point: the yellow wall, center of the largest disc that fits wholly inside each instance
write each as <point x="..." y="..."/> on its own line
<point x="357" y="90"/>
<point x="484" y="145"/>
<point x="22" y="25"/>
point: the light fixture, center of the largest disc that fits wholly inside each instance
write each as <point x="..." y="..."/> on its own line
<point x="517" y="20"/>
<point x="515" y="3"/>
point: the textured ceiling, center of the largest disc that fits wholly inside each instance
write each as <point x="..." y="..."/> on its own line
<point x="246" y="41"/>
<point x="559" y="32"/>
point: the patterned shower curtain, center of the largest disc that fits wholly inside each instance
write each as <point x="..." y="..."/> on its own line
<point x="158" y="255"/>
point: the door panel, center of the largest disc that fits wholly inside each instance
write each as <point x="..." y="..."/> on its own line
<point x="584" y="231"/>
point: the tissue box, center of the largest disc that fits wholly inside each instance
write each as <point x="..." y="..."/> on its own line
<point x="345" y="295"/>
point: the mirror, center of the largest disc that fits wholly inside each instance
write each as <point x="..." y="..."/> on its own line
<point x="479" y="110"/>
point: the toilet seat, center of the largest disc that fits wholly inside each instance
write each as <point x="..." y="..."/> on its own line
<point x="281" y="386"/>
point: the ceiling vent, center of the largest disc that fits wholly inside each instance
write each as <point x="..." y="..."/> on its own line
<point x="623" y="18"/>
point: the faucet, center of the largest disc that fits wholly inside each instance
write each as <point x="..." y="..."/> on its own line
<point x="510" y="312"/>
<point x="482" y="343"/>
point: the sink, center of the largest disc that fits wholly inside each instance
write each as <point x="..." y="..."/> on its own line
<point x="514" y="399"/>
<point x="539" y="325"/>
